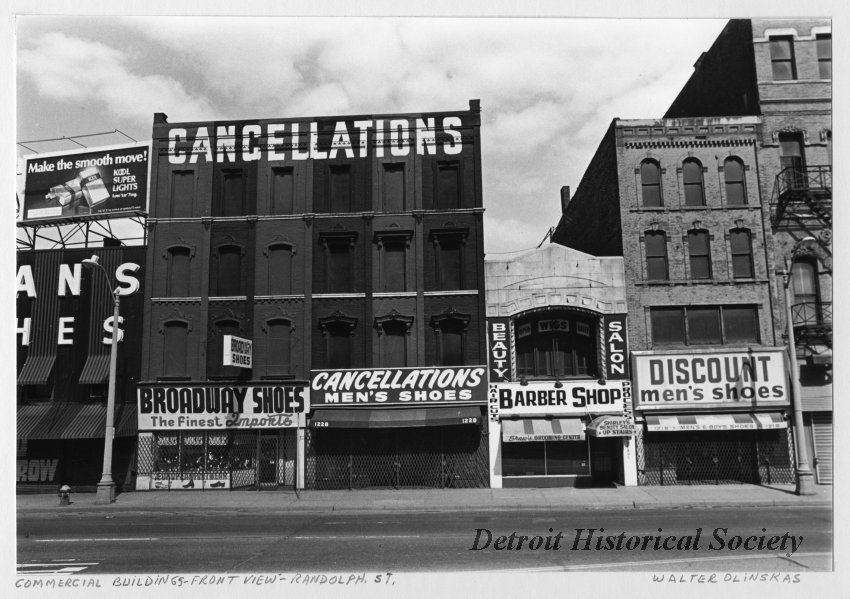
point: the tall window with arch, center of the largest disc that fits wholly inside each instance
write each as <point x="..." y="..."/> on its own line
<point x="215" y="351"/>
<point x="733" y="177"/>
<point x="655" y="250"/>
<point x="741" y="245"/>
<point x="692" y="181"/>
<point x="393" y="331"/>
<point x="699" y="253"/>
<point x="175" y="341"/>
<point x="277" y="350"/>
<point x="338" y="335"/>
<point x="179" y="273"/>
<point x="650" y="184"/>
<point x="450" y="329"/>
<point x="280" y="268"/>
<point x="804" y="284"/>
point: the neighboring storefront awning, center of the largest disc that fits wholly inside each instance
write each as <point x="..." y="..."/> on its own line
<point x="395" y="418"/>
<point x="714" y="422"/>
<point x="611" y="426"/>
<point x="30" y="416"/>
<point x="78" y="421"/>
<point x="541" y="429"/>
<point x="95" y="370"/>
<point x="36" y="370"/>
<point x="126" y="420"/>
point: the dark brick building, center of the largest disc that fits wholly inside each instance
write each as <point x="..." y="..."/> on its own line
<point x="336" y="245"/>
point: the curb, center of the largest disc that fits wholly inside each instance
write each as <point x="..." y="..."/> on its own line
<point x="466" y="508"/>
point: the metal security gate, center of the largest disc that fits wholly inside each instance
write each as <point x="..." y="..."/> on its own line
<point x="430" y="457"/>
<point x="713" y="458"/>
<point x="249" y="459"/>
<point x="822" y="437"/>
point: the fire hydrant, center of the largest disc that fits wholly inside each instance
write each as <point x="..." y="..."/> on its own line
<point x="64" y="495"/>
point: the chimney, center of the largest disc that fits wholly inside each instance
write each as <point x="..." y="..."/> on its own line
<point x="565" y="198"/>
<point x="475" y="105"/>
<point x="160" y="118"/>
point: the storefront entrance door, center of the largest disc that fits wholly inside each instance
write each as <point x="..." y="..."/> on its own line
<point x="268" y="462"/>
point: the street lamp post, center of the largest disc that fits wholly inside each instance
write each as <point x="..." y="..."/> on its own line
<point x="106" y="486"/>
<point x="805" y="476"/>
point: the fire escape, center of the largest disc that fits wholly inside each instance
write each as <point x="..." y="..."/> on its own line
<point x="802" y="205"/>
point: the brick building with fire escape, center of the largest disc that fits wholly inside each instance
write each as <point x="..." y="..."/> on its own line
<point x="785" y="78"/>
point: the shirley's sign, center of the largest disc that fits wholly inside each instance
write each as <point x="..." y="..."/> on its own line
<point x="399" y="386"/>
<point x="571" y="398"/>
<point x="666" y="381"/>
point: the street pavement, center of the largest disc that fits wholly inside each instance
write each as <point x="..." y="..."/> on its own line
<point x="195" y="540"/>
<point x="425" y="500"/>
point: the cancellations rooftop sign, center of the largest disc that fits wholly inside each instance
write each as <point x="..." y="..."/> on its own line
<point x="442" y="385"/>
<point x="718" y="379"/>
<point x="105" y="182"/>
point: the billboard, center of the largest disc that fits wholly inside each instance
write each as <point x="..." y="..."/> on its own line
<point x="96" y="182"/>
<point x="688" y="381"/>
<point x="418" y="387"/>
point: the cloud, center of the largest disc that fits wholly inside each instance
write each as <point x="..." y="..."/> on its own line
<point x="549" y="88"/>
<point x="73" y="70"/>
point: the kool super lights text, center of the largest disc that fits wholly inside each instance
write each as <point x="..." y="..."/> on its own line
<point x="598" y="539"/>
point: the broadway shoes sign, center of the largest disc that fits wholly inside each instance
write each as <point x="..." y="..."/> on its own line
<point x="399" y="386"/>
<point x="221" y="407"/>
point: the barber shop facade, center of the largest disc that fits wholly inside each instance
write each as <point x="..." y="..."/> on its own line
<point x="560" y="395"/>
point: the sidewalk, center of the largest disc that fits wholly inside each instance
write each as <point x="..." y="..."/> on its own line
<point x="428" y="500"/>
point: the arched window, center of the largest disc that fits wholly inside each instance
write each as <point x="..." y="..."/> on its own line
<point x="175" y="336"/>
<point x="655" y="246"/>
<point x="740" y="242"/>
<point x="216" y="347"/>
<point x="692" y="181"/>
<point x="450" y="328"/>
<point x="278" y="331"/>
<point x="280" y="269"/>
<point x="733" y="175"/>
<point x="804" y="283"/>
<point x="338" y="332"/>
<point x="228" y="271"/>
<point x="393" y="331"/>
<point x="699" y="253"/>
<point x="650" y="183"/>
<point x="556" y="344"/>
<point x="178" y="275"/>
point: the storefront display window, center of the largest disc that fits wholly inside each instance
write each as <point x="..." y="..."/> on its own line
<point x="168" y="458"/>
<point x="545" y="458"/>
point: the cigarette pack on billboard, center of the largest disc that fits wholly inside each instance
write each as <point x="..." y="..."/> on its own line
<point x="94" y="191"/>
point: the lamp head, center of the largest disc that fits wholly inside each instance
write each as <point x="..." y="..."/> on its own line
<point x="91" y="262"/>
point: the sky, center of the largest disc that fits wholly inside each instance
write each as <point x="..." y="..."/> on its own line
<point x="549" y="87"/>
